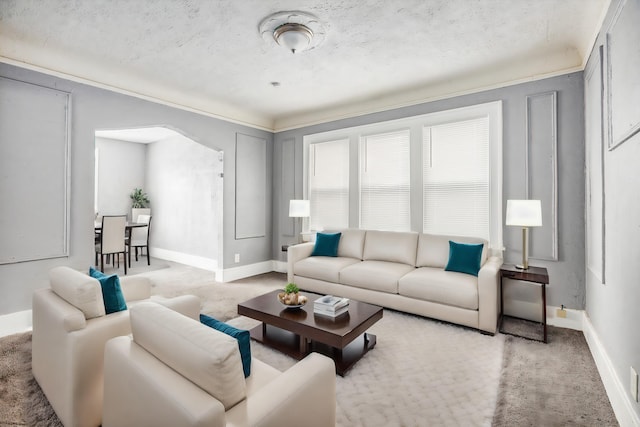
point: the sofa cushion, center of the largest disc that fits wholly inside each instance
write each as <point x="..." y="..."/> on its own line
<point x="322" y="268"/>
<point x="464" y="257"/>
<point x="207" y="357"/>
<point x="111" y="291"/>
<point x="437" y="285"/>
<point x="241" y="335"/>
<point x="391" y="246"/>
<point x="433" y="249"/>
<point x="326" y="244"/>
<point x="352" y="243"/>
<point x="380" y="276"/>
<point x="79" y="290"/>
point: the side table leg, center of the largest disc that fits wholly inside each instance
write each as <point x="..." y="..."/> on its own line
<point x="544" y="311"/>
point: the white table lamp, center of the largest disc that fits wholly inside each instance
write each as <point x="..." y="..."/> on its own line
<point x="525" y="214"/>
<point x="299" y="209"/>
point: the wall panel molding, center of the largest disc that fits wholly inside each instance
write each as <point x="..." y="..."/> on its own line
<point x="251" y="179"/>
<point x="542" y="171"/>
<point x="34" y="172"/>
<point x="287" y="224"/>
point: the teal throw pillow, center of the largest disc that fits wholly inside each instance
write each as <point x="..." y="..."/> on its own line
<point x="111" y="291"/>
<point x="326" y="244"/>
<point x="241" y="335"/>
<point x="464" y="257"/>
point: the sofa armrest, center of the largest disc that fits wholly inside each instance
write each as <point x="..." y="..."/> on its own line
<point x="488" y="295"/>
<point x="135" y="288"/>
<point x="50" y="312"/>
<point x="305" y="394"/>
<point x="294" y="254"/>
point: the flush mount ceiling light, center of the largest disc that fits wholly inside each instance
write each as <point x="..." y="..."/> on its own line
<point x="294" y="30"/>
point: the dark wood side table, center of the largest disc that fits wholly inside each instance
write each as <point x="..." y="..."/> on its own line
<point x="534" y="275"/>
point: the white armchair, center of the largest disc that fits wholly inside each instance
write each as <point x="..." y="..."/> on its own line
<point x="173" y="371"/>
<point x="70" y="329"/>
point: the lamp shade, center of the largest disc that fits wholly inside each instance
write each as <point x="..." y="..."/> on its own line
<point x="524" y="213"/>
<point x="299" y="208"/>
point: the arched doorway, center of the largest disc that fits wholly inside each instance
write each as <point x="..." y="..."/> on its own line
<point x="183" y="180"/>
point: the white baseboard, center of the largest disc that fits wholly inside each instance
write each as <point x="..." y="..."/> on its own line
<point x="279" y="266"/>
<point x="186" y="259"/>
<point x="618" y="396"/>
<point x="235" y="273"/>
<point x="15" y="323"/>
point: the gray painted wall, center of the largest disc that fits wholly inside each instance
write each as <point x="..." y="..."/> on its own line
<point x="121" y="168"/>
<point x="181" y="178"/>
<point x="567" y="273"/>
<point x="613" y="307"/>
<point x="91" y="109"/>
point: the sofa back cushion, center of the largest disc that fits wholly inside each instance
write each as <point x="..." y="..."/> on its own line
<point x="433" y="249"/>
<point x="79" y="290"/>
<point x="351" y="243"/>
<point x="205" y="356"/>
<point x="391" y="246"/>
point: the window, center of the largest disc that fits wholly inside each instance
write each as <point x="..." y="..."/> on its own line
<point x="329" y="185"/>
<point x="384" y="182"/>
<point x="455" y="178"/>
<point x="437" y="173"/>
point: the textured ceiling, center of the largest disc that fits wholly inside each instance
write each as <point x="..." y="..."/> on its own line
<point x="208" y="55"/>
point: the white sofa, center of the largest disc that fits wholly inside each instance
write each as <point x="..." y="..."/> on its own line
<point x="174" y="371"/>
<point x="402" y="271"/>
<point x="70" y="329"/>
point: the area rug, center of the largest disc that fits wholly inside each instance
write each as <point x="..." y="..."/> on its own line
<point x="421" y="372"/>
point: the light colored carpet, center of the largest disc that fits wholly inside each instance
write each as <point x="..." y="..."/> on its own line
<point x="553" y="384"/>
<point x="421" y="372"/>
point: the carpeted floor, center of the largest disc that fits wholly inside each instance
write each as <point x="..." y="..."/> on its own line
<point x="421" y="372"/>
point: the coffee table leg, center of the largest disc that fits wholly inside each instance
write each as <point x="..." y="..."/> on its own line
<point x="303" y="344"/>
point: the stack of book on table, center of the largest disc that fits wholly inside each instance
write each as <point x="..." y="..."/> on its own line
<point x="331" y="306"/>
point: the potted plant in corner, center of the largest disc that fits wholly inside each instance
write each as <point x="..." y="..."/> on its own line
<point x="139" y="198"/>
<point x="139" y="204"/>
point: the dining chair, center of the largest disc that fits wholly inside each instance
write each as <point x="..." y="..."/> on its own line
<point x="112" y="240"/>
<point x="139" y="238"/>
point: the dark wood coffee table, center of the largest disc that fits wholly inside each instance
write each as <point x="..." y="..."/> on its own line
<point x="297" y="332"/>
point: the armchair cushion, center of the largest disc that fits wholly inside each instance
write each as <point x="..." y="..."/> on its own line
<point x="111" y="292"/>
<point x="242" y="336"/>
<point x="79" y="290"/>
<point x="208" y="358"/>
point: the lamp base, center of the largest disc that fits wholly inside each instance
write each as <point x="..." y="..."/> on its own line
<point x="521" y="267"/>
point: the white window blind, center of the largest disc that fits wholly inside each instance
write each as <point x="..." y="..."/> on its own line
<point x="329" y="185"/>
<point x="456" y="178"/>
<point x="384" y="181"/>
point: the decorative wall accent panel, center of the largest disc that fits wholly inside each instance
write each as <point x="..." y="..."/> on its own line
<point x="623" y="89"/>
<point x="34" y="172"/>
<point x="594" y="142"/>
<point x="542" y="172"/>
<point x="251" y="182"/>
<point x="287" y="225"/>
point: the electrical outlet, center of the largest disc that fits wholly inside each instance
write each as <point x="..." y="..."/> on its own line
<point x="237" y="258"/>
<point x="634" y="384"/>
<point x="561" y="312"/>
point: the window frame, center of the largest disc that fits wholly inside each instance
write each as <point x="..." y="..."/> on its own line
<point x="415" y="123"/>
